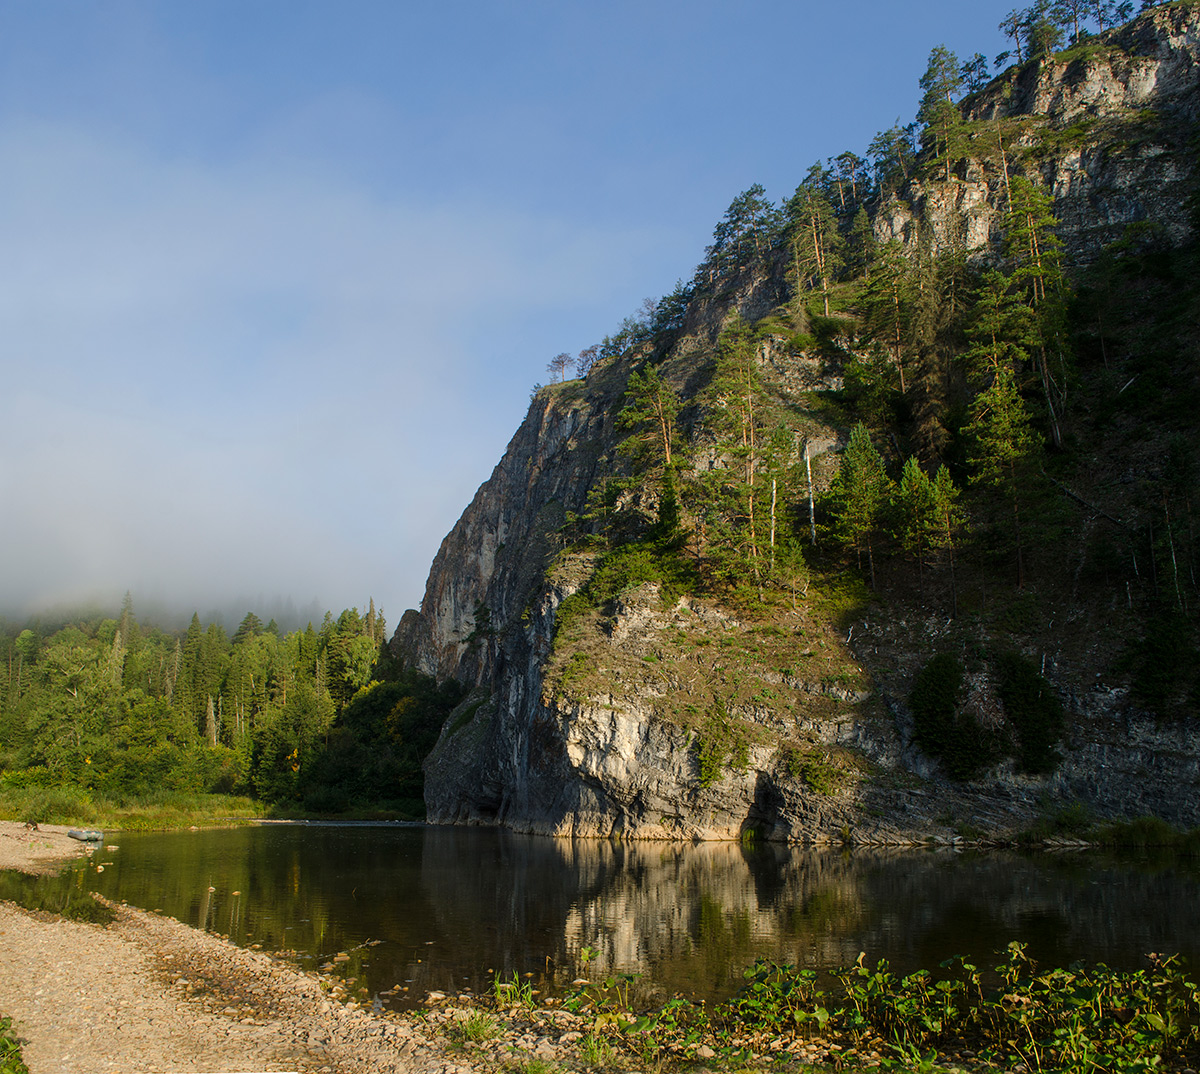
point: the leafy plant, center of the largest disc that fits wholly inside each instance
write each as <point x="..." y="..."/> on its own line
<point x="1034" y="711"/>
<point x="10" y="1050"/>
<point x="513" y="993"/>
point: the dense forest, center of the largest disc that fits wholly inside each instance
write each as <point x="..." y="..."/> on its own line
<point x="319" y="719"/>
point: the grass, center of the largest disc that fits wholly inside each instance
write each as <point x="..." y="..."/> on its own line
<point x="156" y="812"/>
<point x="477" y="1028"/>
<point x="10" y="1050"/>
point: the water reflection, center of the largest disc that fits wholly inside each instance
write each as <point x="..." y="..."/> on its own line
<point x="444" y="908"/>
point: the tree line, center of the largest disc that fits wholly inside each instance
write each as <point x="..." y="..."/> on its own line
<point x="321" y="716"/>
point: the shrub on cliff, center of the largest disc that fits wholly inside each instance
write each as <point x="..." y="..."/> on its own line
<point x="955" y="738"/>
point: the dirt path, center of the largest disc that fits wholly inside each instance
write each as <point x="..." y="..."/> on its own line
<point x="148" y="994"/>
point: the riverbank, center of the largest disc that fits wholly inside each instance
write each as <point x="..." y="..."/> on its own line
<point x="143" y="992"/>
<point x="37" y="850"/>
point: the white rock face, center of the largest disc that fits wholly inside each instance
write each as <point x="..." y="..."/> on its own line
<point x="1127" y="99"/>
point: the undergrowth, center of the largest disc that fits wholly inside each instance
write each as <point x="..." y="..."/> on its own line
<point x="152" y="812"/>
<point x="1077" y="1020"/>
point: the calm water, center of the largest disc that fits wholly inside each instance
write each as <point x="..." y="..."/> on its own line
<point x="443" y="908"/>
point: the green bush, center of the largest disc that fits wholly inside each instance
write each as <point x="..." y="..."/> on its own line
<point x="1033" y="710"/>
<point x="962" y="745"/>
<point x="10" y="1050"/>
<point x="1162" y="661"/>
<point x="48" y="805"/>
<point x="720" y="744"/>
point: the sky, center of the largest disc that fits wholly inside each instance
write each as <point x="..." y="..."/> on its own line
<point x="278" y="276"/>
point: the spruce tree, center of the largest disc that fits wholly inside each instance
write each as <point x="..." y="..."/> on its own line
<point x="1005" y="450"/>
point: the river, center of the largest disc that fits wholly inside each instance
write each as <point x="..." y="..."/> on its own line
<point x="422" y="908"/>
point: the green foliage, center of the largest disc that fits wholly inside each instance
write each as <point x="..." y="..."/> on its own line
<point x="938" y="114"/>
<point x="648" y="417"/>
<point x="373" y="752"/>
<point x="1077" y="1020"/>
<point x="477" y="1027"/>
<point x="109" y="711"/>
<point x="10" y="1050"/>
<point x="860" y="494"/>
<point x="1163" y="661"/>
<point x="1033" y="710"/>
<point x="720" y="745"/>
<point x="941" y="729"/>
<point x="818" y="771"/>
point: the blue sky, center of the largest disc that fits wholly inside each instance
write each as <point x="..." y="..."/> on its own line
<point x="278" y="275"/>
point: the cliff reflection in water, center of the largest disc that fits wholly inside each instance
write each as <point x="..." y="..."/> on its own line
<point x="446" y="908"/>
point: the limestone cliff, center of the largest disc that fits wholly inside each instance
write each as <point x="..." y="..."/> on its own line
<point x="606" y="726"/>
<point x="1107" y="127"/>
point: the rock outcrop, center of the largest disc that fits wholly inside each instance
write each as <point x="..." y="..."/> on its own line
<point x="610" y="739"/>
<point x="1106" y="127"/>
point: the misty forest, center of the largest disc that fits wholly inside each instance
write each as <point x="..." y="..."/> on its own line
<point x="1013" y="454"/>
<point x="107" y="709"/>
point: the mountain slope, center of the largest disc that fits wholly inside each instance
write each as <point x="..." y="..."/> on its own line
<point x="670" y="698"/>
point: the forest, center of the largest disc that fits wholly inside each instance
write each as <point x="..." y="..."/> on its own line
<point x="108" y="710"/>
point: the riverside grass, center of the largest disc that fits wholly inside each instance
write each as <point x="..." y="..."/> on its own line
<point x="1077" y="1020"/>
<point x="153" y="812"/>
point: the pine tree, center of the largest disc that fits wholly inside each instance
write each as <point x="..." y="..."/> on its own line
<point x="950" y="522"/>
<point x="649" y="414"/>
<point x="859" y="495"/>
<point x="1035" y="251"/>
<point x="1005" y="451"/>
<point x="886" y="303"/>
<point x="938" y="114"/>
<point x="728" y="503"/>
<point x="814" y="241"/>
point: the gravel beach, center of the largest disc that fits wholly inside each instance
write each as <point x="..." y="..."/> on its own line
<point x="148" y="994"/>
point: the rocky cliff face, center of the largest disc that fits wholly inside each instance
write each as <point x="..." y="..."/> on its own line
<point x="607" y="733"/>
<point x="1105" y="127"/>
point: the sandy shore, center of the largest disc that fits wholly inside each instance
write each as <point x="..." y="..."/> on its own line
<point x="148" y="994"/>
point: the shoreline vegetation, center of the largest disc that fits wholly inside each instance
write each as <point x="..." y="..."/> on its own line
<point x="169" y="811"/>
<point x="1009" y="1014"/>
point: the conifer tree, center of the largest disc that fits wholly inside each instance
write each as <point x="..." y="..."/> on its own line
<point x="1005" y="451"/>
<point x="648" y="416"/>
<point x="886" y="303"/>
<point x="916" y="512"/>
<point x="859" y="495"/>
<point x="1001" y="330"/>
<point x="891" y="153"/>
<point x="950" y="522"/>
<point x="938" y="114"/>
<point x="815" y="242"/>
<point x="1035" y="251"/>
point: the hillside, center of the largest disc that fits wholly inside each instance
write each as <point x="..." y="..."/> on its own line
<point x="881" y="528"/>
